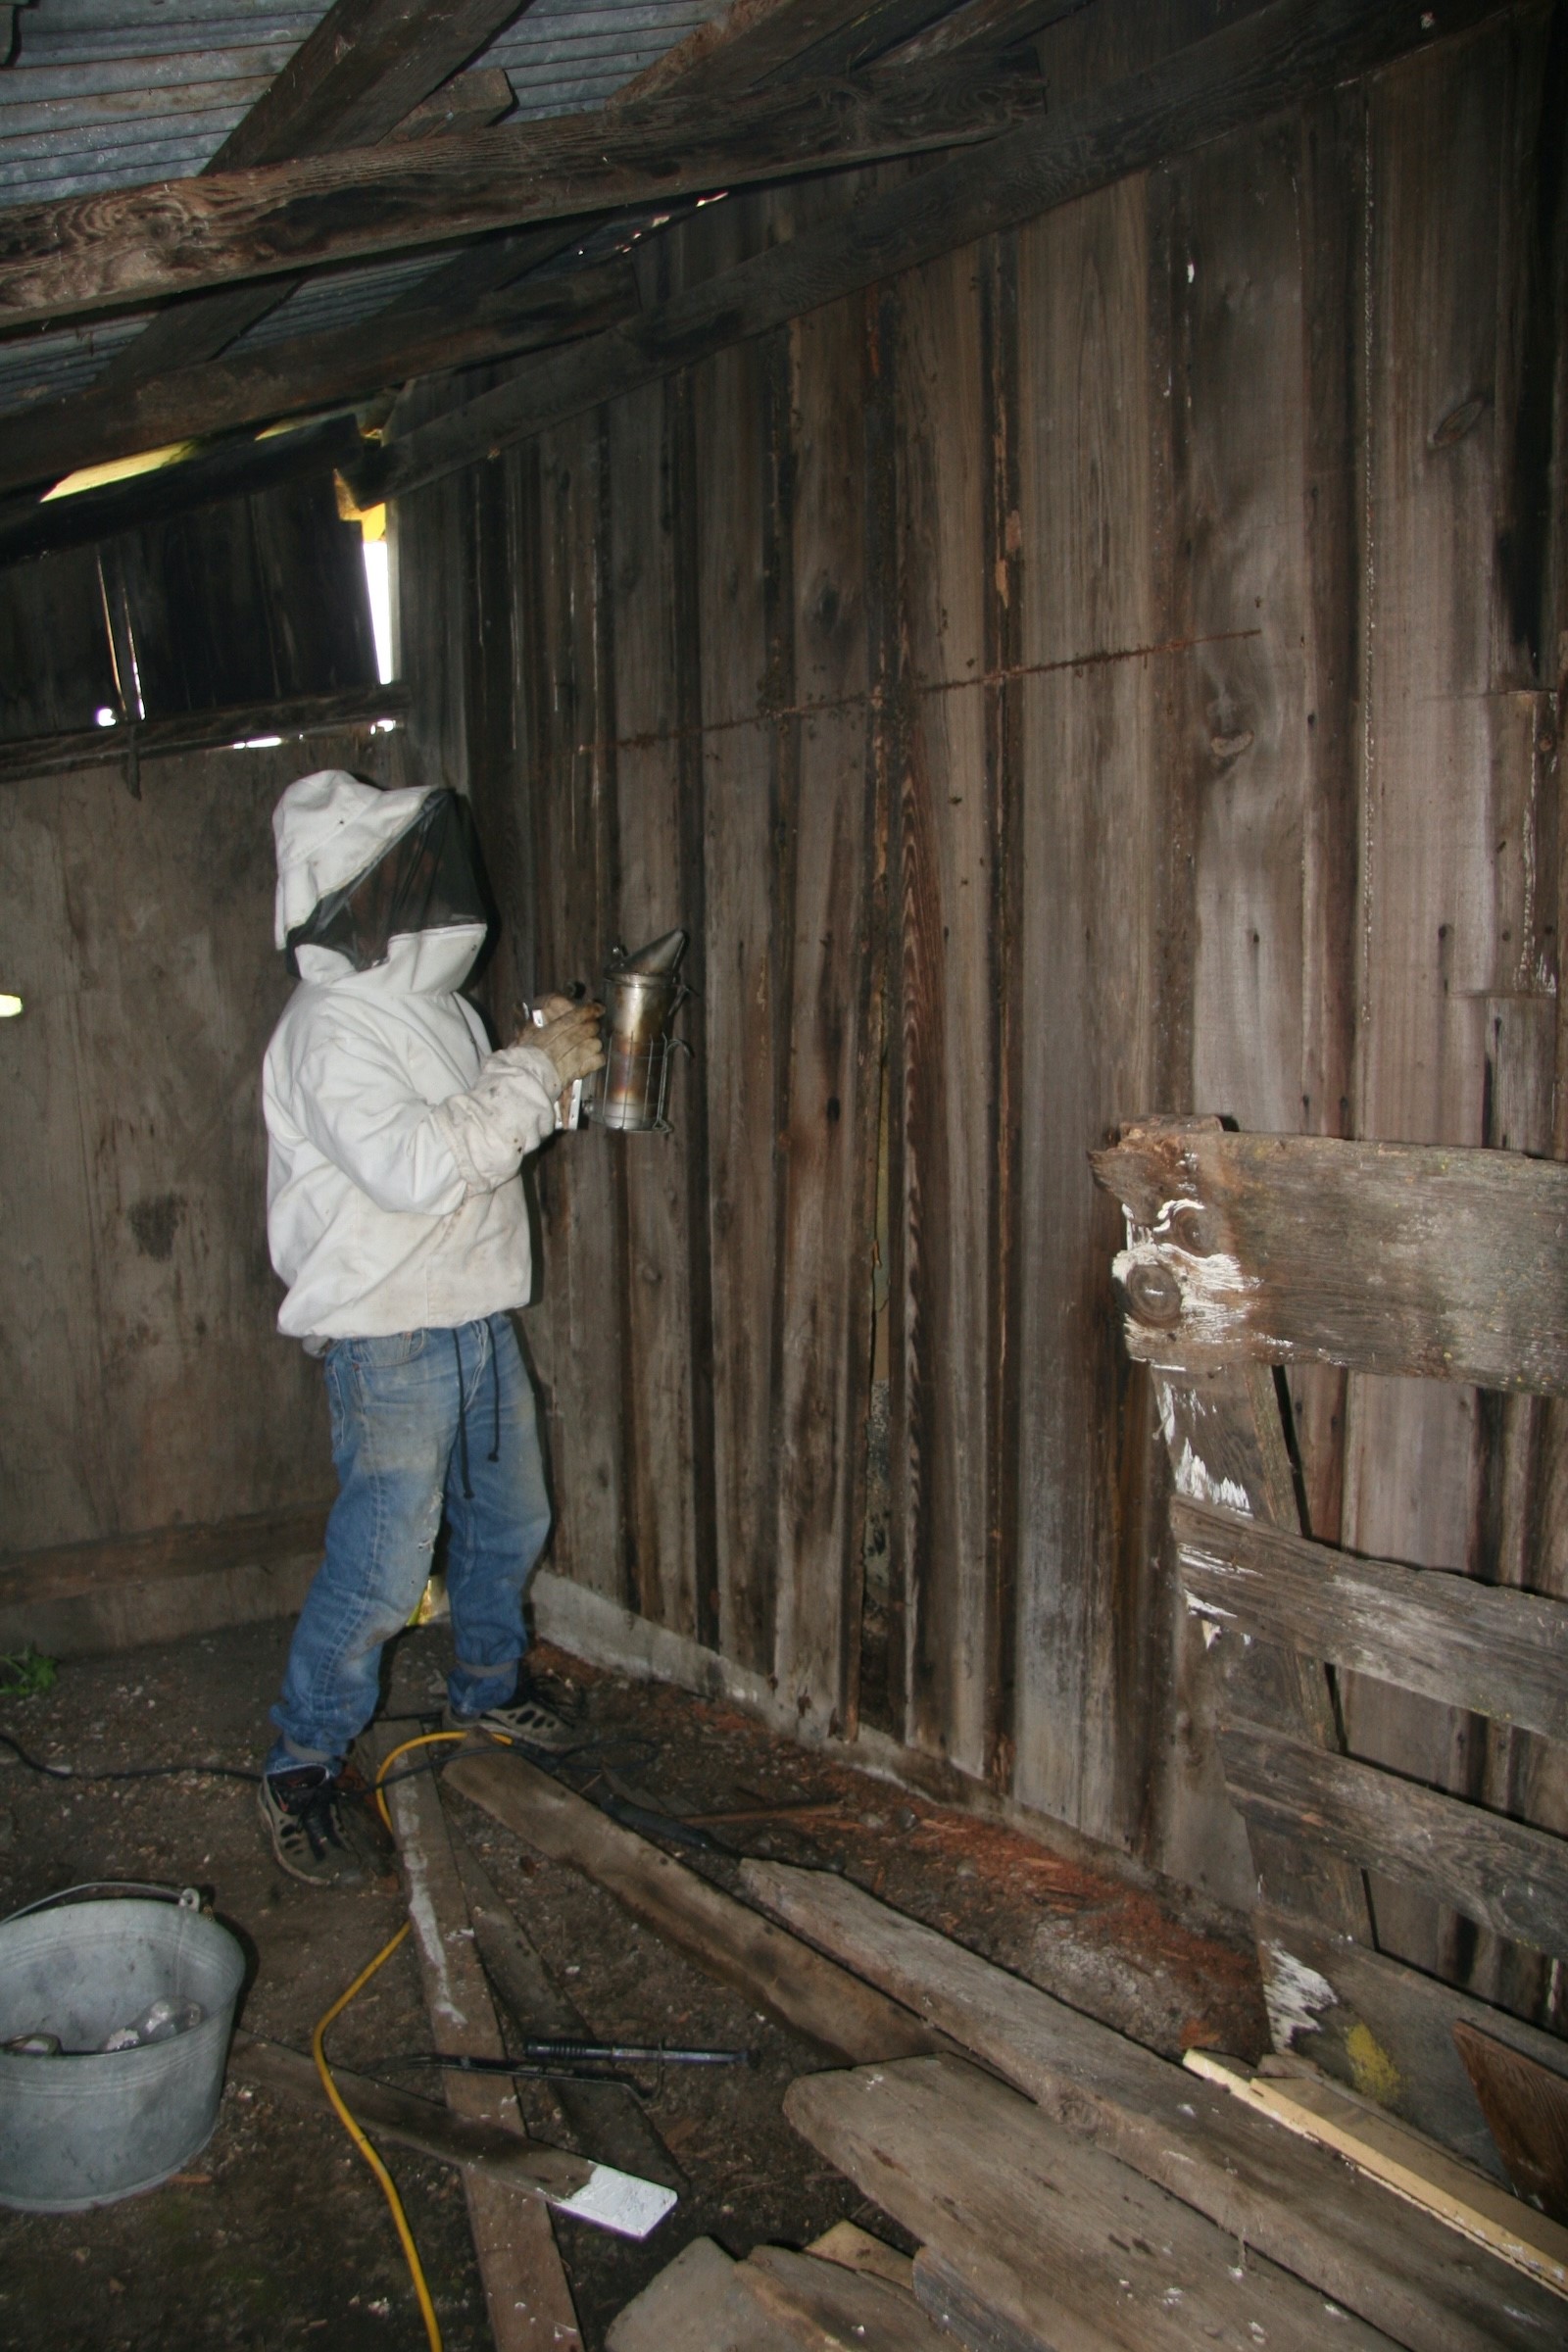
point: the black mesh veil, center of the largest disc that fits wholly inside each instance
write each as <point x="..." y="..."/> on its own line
<point x="428" y="880"/>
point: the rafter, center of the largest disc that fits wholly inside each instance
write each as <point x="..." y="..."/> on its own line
<point x="86" y="254"/>
<point x="368" y="73"/>
<point x="445" y="323"/>
<point x="367" y="64"/>
<point x="120" y="412"/>
<point x="232" y="472"/>
<point x="1273" y="59"/>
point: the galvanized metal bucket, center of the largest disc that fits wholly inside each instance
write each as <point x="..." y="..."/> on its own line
<point x="79" y="2130"/>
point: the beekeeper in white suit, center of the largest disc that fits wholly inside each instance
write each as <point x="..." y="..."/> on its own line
<point x="396" y="1216"/>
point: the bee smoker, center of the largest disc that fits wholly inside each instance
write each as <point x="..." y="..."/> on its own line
<point x="642" y="994"/>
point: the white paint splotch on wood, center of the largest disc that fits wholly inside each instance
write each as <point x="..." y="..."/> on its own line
<point x="1295" y="1995"/>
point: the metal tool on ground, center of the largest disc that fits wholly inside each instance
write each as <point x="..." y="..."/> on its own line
<point x="603" y="2114"/>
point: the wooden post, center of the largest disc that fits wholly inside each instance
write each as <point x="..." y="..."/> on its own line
<point x="1227" y="1445"/>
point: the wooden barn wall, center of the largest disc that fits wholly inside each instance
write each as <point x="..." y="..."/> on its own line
<point x="1113" y="669"/>
<point x="143" y="1384"/>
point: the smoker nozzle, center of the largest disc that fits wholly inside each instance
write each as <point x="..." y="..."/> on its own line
<point x="659" y="959"/>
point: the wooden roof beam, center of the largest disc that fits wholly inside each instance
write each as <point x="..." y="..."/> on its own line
<point x="368" y="73"/>
<point x="756" y="41"/>
<point x="367" y="65"/>
<point x="103" y="252"/>
<point x="168" y="395"/>
<point x="235" y="470"/>
<point x="448" y="326"/>
<point x="1276" y="58"/>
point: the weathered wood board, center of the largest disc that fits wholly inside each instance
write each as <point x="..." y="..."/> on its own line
<point x="1175" y="487"/>
<point x="1399" y="2271"/>
<point x="527" y="2289"/>
<point x="1414" y="2168"/>
<point x="1408" y="1260"/>
<point x="1068" y="2248"/>
<point x="1502" y="1873"/>
<point x="1502" y="1653"/>
<point x="144" y="1381"/>
<point x="1388" y="2030"/>
<point x="1526" y="2107"/>
<point x="776" y="1972"/>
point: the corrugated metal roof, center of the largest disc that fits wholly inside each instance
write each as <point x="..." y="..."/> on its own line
<point x="111" y="93"/>
<point x="566" y="56"/>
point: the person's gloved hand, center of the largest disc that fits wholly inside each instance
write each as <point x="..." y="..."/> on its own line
<point x="570" y="1035"/>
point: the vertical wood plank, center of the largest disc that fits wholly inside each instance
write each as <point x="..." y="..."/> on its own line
<point x="834" y="1039"/>
<point x="1088" y="834"/>
<point x="1333" y="217"/>
<point x="1438" y="758"/>
<point x="147" y="1383"/>
<point x="745" y="493"/>
<point x="570" y="720"/>
<point x="54" y="668"/>
<point x="654" y="1171"/>
<point x="946" y="1083"/>
<point x="1242" y="598"/>
<point x="1001" y="391"/>
<point x="1543" y="1784"/>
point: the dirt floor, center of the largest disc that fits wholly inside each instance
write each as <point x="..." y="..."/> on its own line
<point x="276" y="2236"/>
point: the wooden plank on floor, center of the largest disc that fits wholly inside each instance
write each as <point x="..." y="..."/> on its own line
<point x="776" y="1972"/>
<point x="526" y="2287"/>
<point x="1067" y="2247"/>
<point x="608" y="2119"/>
<point x="857" y="2250"/>
<point x="695" y="2305"/>
<point x="1397" y="2270"/>
<point x="494" y="2151"/>
<point x="829" y="2308"/>
<point x="1414" y="2168"/>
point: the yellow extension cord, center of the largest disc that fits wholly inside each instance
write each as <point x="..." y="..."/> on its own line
<point x="410" y="2256"/>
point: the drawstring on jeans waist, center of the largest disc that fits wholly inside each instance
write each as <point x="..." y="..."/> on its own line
<point x="494" y="1455"/>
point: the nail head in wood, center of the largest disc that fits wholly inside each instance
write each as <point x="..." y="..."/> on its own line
<point x="1153" y="1295"/>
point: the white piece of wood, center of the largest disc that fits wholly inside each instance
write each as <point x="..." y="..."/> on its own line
<point x="1413" y="2166"/>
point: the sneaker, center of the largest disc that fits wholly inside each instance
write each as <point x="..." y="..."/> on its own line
<point x="314" y="1826"/>
<point x="529" y="1719"/>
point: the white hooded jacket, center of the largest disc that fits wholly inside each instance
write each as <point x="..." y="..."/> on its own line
<point x="395" y="1137"/>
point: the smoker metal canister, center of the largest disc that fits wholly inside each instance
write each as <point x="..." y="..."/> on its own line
<point x="642" y="994"/>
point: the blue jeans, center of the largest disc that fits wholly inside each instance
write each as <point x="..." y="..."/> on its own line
<point x="398" y="1450"/>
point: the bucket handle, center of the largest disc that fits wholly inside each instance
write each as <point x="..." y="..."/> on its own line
<point x="186" y="1899"/>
